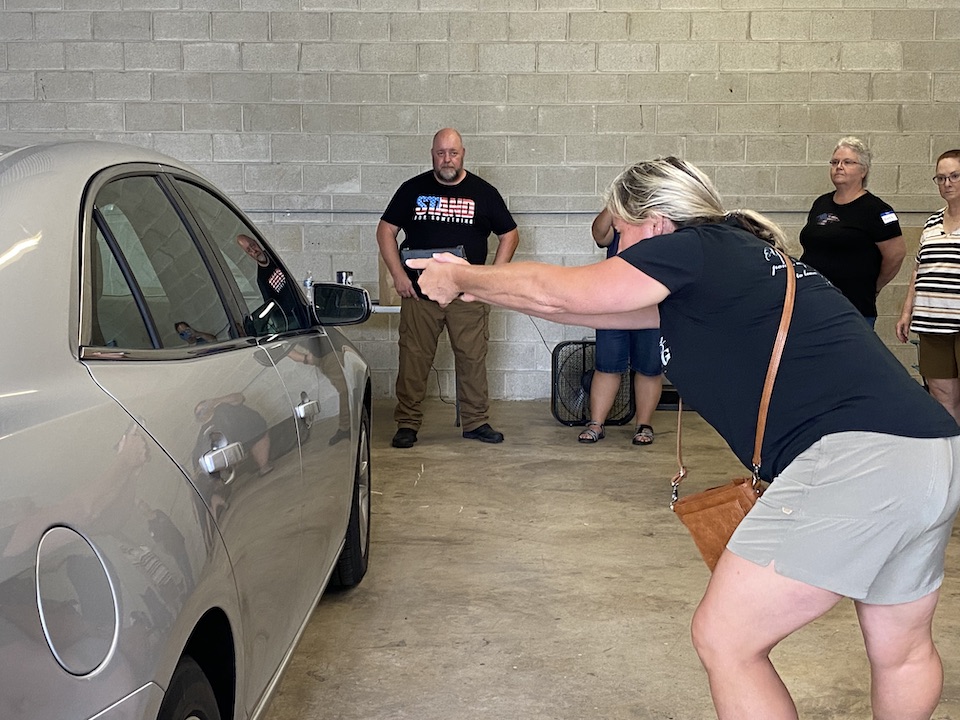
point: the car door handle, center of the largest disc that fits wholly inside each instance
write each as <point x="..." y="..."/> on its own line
<point x="223" y="455"/>
<point x="307" y="408"/>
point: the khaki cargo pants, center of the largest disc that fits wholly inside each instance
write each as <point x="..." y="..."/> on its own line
<point x="421" y="322"/>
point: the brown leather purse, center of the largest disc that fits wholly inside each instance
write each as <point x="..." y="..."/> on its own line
<point x="712" y="515"/>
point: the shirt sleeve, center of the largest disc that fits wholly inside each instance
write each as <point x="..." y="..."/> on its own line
<point x="501" y="221"/>
<point x="675" y="260"/>
<point x="398" y="209"/>
<point x="888" y="222"/>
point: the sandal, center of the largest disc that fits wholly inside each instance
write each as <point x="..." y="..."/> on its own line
<point x="592" y="433"/>
<point x="644" y="435"/>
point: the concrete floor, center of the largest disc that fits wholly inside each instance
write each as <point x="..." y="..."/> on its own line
<point x="542" y="579"/>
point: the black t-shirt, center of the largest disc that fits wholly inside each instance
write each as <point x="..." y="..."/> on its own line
<point x="841" y="242"/>
<point x="433" y="215"/>
<point x="718" y="326"/>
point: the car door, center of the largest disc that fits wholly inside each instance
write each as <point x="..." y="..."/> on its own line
<point x="309" y="365"/>
<point x="212" y="399"/>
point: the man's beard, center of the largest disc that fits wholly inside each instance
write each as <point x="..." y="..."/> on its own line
<point x="447" y="173"/>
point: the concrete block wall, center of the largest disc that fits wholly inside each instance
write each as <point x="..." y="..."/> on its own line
<point x="311" y="112"/>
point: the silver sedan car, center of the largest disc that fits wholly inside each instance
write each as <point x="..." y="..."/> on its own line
<point x="184" y="442"/>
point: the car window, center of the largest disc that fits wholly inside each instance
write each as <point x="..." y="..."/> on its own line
<point x="117" y="320"/>
<point x="271" y="298"/>
<point x="152" y="257"/>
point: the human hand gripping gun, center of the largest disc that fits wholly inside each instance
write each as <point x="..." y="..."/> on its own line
<point x="411" y="254"/>
<point x="418" y="260"/>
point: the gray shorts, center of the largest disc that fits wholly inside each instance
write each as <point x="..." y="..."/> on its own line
<point x="865" y="515"/>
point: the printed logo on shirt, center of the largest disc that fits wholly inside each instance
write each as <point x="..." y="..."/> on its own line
<point x="277" y="280"/>
<point x="888" y="217"/>
<point x="827" y="219"/>
<point x="664" y="352"/>
<point x="800" y="270"/>
<point x="444" y="209"/>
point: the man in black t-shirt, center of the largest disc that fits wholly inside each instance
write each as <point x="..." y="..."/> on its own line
<point x="445" y="207"/>
<point x="274" y="284"/>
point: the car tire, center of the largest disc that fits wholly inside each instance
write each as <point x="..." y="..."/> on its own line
<point x="190" y="695"/>
<point x="352" y="565"/>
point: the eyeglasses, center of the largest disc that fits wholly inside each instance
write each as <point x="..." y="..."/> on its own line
<point x="942" y="179"/>
<point x="846" y="162"/>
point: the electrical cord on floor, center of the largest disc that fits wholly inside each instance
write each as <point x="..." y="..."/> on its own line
<point x="542" y="338"/>
<point x="437" y="372"/>
<point x="440" y="389"/>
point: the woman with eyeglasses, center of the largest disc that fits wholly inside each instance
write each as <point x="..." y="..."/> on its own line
<point x="932" y="306"/>
<point x="853" y="237"/>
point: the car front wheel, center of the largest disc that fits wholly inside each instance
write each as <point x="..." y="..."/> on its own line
<point x="352" y="565"/>
<point x="190" y="696"/>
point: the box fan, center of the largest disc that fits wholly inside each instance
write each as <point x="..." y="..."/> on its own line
<point x="572" y="373"/>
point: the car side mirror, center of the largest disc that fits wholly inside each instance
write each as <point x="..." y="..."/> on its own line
<point x="336" y="304"/>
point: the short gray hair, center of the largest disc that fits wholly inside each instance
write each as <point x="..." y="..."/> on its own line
<point x="860" y="148"/>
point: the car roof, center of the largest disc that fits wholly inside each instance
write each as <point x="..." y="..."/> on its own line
<point x="72" y="158"/>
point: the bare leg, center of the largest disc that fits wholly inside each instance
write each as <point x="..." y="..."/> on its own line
<point x="947" y="392"/>
<point x="603" y="391"/>
<point x="733" y="634"/>
<point x="905" y="668"/>
<point x="646" y="390"/>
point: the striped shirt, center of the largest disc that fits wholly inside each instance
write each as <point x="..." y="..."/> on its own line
<point x="936" y="307"/>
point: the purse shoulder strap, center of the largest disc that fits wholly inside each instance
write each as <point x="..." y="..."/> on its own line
<point x="772" y="367"/>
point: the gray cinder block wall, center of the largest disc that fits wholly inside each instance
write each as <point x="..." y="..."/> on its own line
<point x="310" y="112"/>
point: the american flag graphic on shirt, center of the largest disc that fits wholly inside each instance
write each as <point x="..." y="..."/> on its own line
<point x="277" y="280"/>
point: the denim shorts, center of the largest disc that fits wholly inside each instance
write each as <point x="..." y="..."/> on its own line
<point x="622" y="350"/>
<point x="864" y="515"/>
